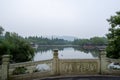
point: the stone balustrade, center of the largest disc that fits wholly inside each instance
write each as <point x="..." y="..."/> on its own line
<point x="30" y="63"/>
<point x="59" y="67"/>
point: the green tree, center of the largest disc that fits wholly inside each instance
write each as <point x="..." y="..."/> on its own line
<point x="1" y="30"/>
<point x="98" y="40"/>
<point x="46" y="41"/>
<point x="113" y="49"/>
<point x="16" y="46"/>
<point x="94" y="41"/>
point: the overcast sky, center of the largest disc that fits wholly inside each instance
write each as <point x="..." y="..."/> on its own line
<point x="79" y="18"/>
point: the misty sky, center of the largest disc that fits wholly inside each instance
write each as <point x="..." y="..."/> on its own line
<point x="79" y="18"/>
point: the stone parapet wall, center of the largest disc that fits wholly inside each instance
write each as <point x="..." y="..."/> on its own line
<point x="79" y="66"/>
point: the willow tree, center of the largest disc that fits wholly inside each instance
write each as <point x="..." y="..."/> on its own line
<point x="113" y="49"/>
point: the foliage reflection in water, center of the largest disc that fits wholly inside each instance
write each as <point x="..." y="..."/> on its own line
<point x="45" y="53"/>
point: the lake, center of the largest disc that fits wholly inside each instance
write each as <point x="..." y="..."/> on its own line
<point x="45" y="53"/>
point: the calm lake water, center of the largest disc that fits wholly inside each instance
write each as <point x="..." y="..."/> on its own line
<point x="45" y="53"/>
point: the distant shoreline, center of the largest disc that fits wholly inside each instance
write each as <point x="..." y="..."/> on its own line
<point x="85" y="46"/>
<point x="60" y="45"/>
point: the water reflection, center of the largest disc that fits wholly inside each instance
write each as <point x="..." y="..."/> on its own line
<point x="43" y="49"/>
<point x="94" y="52"/>
<point x="76" y="52"/>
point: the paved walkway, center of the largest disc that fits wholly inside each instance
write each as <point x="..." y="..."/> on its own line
<point x="98" y="77"/>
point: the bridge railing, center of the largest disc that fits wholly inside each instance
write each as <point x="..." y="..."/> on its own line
<point x="106" y="64"/>
<point x="31" y="69"/>
<point x="22" y="70"/>
<point x="31" y="64"/>
<point x="55" y="66"/>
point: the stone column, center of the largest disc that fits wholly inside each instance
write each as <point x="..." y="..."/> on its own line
<point x="103" y="62"/>
<point x="100" y="56"/>
<point x="55" y="62"/>
<point x="5" y="64"/>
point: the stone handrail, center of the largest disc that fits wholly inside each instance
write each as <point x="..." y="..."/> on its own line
<point x="78" y="60"/>
<point x="31" y="63"/>
<point x="114" y="60"/>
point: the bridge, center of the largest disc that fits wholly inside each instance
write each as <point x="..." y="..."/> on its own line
<point x="56" y="67"/>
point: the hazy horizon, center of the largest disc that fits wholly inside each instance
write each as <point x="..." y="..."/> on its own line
<point x="77" y="18"/>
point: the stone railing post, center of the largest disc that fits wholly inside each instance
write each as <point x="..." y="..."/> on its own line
<point x="55" y="62"/>
<point x="102" y="62"/>
<point x="5" y="66"/>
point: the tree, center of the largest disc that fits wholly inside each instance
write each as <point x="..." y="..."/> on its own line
<point x="94" y="41"/>
<point x="113" y="49"/>
<point x="98" y="40"/>
<point x="16" y="46"/>
<point x="46" y="41"/>
<point x="1" y="30"/>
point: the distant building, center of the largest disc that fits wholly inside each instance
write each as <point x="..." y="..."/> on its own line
<point x="34" y="45"/>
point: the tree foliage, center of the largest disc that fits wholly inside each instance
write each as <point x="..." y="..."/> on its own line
<point x="94" y="41"/>
<point x="16" y="46"/>
<point x="46" y="41"/>
<point x="98" y="40"/>
<point x="113" y="49"/>
<point x="1" y="30"/>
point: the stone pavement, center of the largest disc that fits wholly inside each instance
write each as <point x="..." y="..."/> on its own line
<point x="96" y="77"/>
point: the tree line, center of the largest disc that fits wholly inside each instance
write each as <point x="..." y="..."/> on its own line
<point x="94" y="41"/>
<point x="46" y="41"/>
<point x="55" y="41"/>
